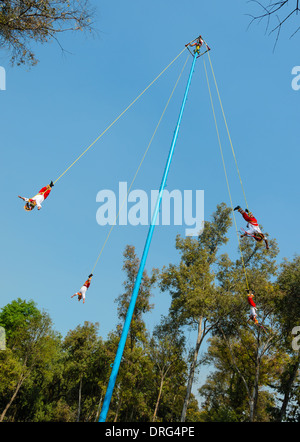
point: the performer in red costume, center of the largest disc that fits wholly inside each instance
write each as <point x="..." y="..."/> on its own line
<point x="253" y="227"/>
<point x="252" y="307"/>
<point x="82" y="291"/>
<point x="37" y="199"/>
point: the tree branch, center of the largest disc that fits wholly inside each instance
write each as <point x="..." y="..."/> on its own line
<point x="272" y="10"/>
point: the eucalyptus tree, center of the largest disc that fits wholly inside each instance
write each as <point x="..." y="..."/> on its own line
<point x="191" y="284"/>
<point x="24" y="22"/>
<point x="31" y="344"/>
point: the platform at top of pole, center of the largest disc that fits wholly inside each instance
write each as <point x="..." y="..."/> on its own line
<point x="198" y="43"/>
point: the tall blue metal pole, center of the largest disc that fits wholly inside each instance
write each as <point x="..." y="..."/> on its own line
<point x="118" y="357"/>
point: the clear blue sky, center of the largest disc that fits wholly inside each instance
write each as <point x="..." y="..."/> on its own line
<point x="53" y="111"/>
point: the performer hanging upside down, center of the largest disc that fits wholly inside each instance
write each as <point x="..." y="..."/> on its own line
<point x="82" y="291"/>
<point x="37" y="199"/>
<point x="253" y="227"/>
<point x="252" y="307"/>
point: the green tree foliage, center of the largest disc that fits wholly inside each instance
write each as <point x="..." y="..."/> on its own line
<point x="254" y="371"/>
<point x="132" y="397"/>
<point x="82" y="354"/>
<point x="191" y="284"/>
<point x="23" y="22"/>
<point x="31" y="346"/>
<point x="166" y="351"/>
<point x="288" y="315"/>
<point x="253" y="360"/>
<point x="142" y="306"/>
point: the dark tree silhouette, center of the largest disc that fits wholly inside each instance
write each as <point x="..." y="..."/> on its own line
<point x="275" y="14"/>
<point x="23" y="22"/>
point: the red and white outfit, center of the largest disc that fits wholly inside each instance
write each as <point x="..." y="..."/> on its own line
<point x="84" y="288"/>
<point x="252" y="306"/>
<point x="82" y="291"/>
<point x="40" y="197"/>
<point x="252" y="225"/>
